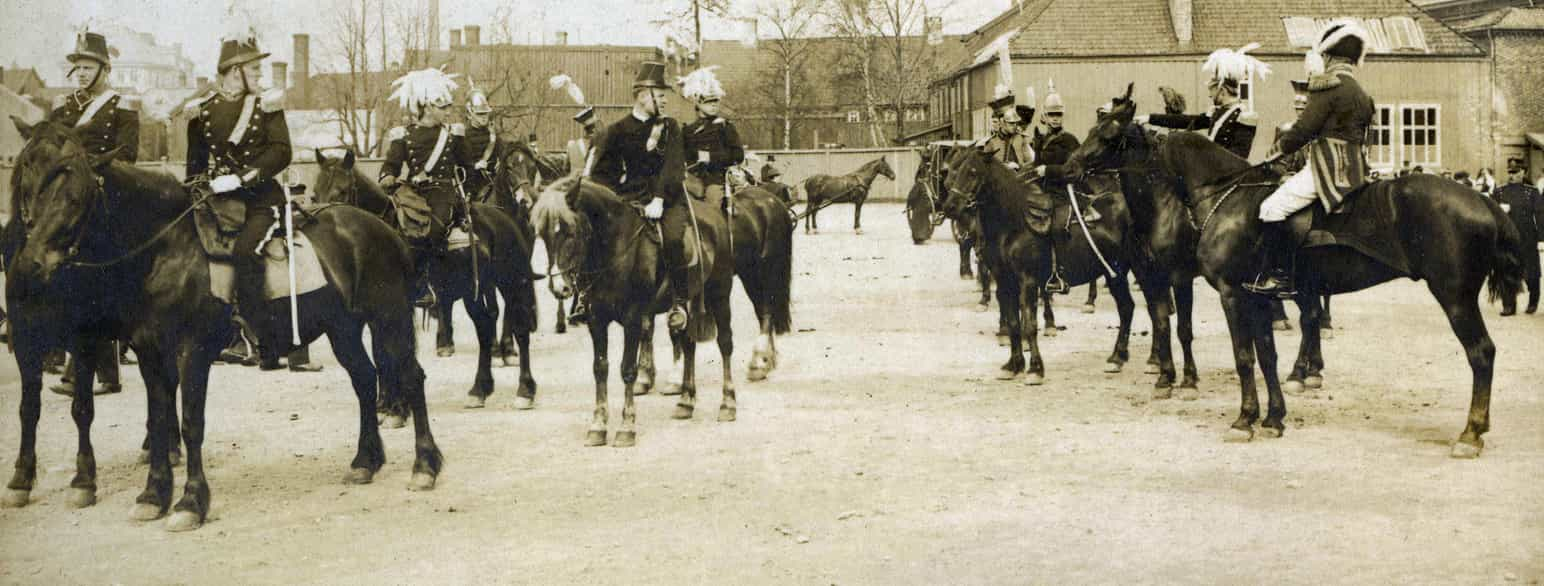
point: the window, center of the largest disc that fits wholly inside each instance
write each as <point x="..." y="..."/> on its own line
<point x="889" y="115"/>
<point x="1419" y="140"/>
<point x="916" y="115"/>
<point x="1380" y="142"/>
<point x="854" y="116"/>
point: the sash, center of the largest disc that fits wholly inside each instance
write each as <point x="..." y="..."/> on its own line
<point x="245" y="120"/>
<point x="439" y="149"/>
<point x="1338" y="168"/>
<point x="1222" y="121"/>
<point x="91" y="109"/>
<point x="493" y="139"/>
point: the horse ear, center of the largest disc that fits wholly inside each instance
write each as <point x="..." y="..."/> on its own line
<point x="101" y="161"/>
<point x="22" y="127"/>
<point x="1129" y="87"/>
<point x="321" y="159"/>
<point x="348" y="160"/>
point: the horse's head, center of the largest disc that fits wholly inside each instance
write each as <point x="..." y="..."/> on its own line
<point x="44" y="142"/>
<point x="965" y="172"/>
<point x="335" y="181"/>
<point x="884" y="169"/>
<point x="567" y="228"/>
<point x="516" y="175"/>
<point x="68" y="194"/>
<point x="1109" y="139"/>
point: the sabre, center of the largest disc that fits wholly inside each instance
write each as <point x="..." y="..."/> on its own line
<point x="470" y="231"/>
<point x="289" y="257"/>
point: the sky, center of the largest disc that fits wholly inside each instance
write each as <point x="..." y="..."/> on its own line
<point x="39" y="33"/>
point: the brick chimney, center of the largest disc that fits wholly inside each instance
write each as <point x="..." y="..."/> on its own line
<point x="302" y="85"/>
<point x="455" y="38"/>
<point x="473" y="35"/>
<point x="1180" y="13"/>
<point x="281" y="75"/>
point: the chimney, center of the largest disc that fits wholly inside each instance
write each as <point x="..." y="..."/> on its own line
<point x="473" y="35"/>
<point x="560" y="38"/>
<point x="1180" y="14"/>
<point x="434" y="25"/>
<point x="281" y="75"/>
<point x="455" y="38"/>
<point x="302" y="57"/>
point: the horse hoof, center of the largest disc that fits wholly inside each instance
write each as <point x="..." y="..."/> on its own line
<point x="1112" y="367"/>
<point x="967" y="277"/>
<point x="1463" y="450"/>
<point x="1292" y="387"/>
<point x="1281" y="325"/>
<point x="983" y="307"/>
<point x="625" y="439"/>
<point x="726" y="414"/>
<point x="525" y="403"/>
<point x="394" y="422"/>
<point x="421" y="481"/>
<point x="756" y="374"/>
<point x="1162" y="393"/>
<point x="669" y="390"/>
<point x="1235" y="435"/>
<point x="1088" y="308"/>
<point x="475" y="402"/>
<point x="1049" y="332"/>
<point x="511" y="361"/>
<point x="81" y="498"/>
<point x="15" y="498"/>
<point x="1188" y="393"/>
<point x="641" y="389"/>
<point x="183" y="521"/>
<point x="596" y="437"/>
<point x="1034" y="379"/>
<point x="358" y="476"/>
<point x="1005" y="374"/>
<point x="1151" y="368"/>
<point x="1313" y="381"/>
<point x="145" y="512"/>
<point x="445" y="351"/>
<point x="858" y="231"/>
<point x="1003" y="341"/>
<point x="1326" y="333"/>
<point x="1269" y="432"/>
<point x="682" y="412"/>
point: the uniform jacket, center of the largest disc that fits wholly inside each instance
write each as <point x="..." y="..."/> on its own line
<point x="257" y="158"/>
<point x="1013" y="148"/>
<point x="720" y="140"/>
<point x="1527" y="206"/>
<point x="1294" y="162"/>
<point x="413" y="146"/>
<point x="1337" y="108"/>
<point x="113" y="124"/>
<point x="474" y="147"/>
<point x="1053" y="151"/>
<point x="1230" y="127"/>
<point x="623" y="162"/>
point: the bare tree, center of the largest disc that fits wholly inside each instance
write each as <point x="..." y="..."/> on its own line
<point x="353" y="96"/>
<point x="790" y="23"/>
<point x="887" y="54"/>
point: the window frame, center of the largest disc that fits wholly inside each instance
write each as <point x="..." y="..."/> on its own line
<point x="1387" y="143"/>
<point x="1432" y="146"/>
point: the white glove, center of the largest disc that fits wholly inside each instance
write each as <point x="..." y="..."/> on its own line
<point x="1141" y="119"/>
<point x="1040" y="171"/>
<point x="225" y="183"/>
<point x="655" y="209"/>
<point x="480" y="166"/>
<point x="1013" y="165"/>
<point x="703" y="157"/>
<point x="1506" y="207"/>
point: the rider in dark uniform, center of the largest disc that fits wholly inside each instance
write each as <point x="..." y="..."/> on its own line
<point x="482" y="145"/>
<point x="105" y="120"/>
<point x="1525" y="206"/>
<point x="239" y="140"/>
<point x="1008" y="143"/>
<point x="1053" y="148"/>
<point x="432" y="152"/>
<point x="641" y="158"/>
<point x="1230" y="124"/>
<point x="711" y="141"/>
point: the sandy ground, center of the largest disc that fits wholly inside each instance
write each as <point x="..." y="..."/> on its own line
<point x="881" y="451"/>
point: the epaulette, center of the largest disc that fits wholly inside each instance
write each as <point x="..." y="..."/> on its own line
<point x="61" y="100"/>
<point x="458" y="129"/>
<point x="396" y="133"/>
<point x="130" y="103"/>
<point x="271" y="100"/>
<point x="719" y="120"/>
<point x="196" y="105"/>
<point x="1323" y="81"/>
<point x="1248" y="118"/>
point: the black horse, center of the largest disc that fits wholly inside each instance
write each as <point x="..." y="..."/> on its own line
<point x="853" y="188"/>
<point x="1454" y="238"/>
<point x="591" y="232"/>
<point x="121" y="228"/>
<point x="763" y="259"/>
<point x="504" y="260"/>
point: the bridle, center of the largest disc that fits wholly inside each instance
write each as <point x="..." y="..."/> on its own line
<point x="99" y="197"/>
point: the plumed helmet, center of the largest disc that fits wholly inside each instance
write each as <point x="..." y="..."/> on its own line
<point x="702" y="85"/>
<point x="1230" y="67"/>
<point x="416" y="89"/>
<point x="1342" y="38"/>
<point x="238" y="46"/>
<point x="89" y="45"/>
<point x="477" y="102"/>
<point x="1053" y="100"/>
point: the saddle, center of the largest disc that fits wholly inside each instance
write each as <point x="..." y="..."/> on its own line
<point x="1364" y="221"/>
<point x="220" y="220"/>
<point x="415" y="219"/>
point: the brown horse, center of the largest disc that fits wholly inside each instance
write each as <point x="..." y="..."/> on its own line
<point x="853" y="188"/>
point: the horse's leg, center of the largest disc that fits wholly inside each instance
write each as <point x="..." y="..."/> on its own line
<point x="1304" y="374"/>
<point x="965" y="272"/>
<point x="523" y="314"/>
<point x="729" y="407"/>
<point x="193" y="507"/>
<point x="1184" y="304"/>
<point x="445" y="337"/>
<point x="506" y="344"/>
<point x="29" y="360"/>
<point x="1279" y="321"/>
<point x="1463" y="313"/>
<point x="1265" y="349"/>
<point x="427" y="458"/>
<point x="1241" y="329"/>
<point x="596" y="436"/>
<point x="83" y="411"/>
<point x="627" y="434"/>
<point x="1157" y="296"/>
<point x="391" y="401"/>
<point x="810" y="206"/>
<point x="1050" y="315"/>
<point x="647" y="371"/>
<point x="687" y="404"/>
<point x="159" y="371"/>
<point x="1093" y="294"/>
<point x="1009" y="290"/>
<point x="761" y="359"/>
<point x="1125" y="306"/>
<point x="561" y="326"/>
<point x="484" y="322"/>
<point x="349" y="348"/>
<point x="1035" y="374"/>
<point x="1324" y="321"/>
<point x="984" y="283"/>
<point x="857" y="216"/>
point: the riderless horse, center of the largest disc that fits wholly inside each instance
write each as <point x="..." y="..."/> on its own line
<point x="853" y="188"/>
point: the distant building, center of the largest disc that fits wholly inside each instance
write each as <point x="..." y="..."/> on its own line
<point x="141" y="64"/>
<point x="22" y="81"/>
<point x="13" y="104"/>
<point x="1513" y="37"/>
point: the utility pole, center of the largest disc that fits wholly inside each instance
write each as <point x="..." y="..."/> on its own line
<point x="697" y="22"/>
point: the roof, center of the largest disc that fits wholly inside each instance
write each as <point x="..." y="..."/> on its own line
<point x="1506" y="19"/>
<point x="1068" y="28"/>
<point x="1537" y="138"/>
<point x="17" y="80"/>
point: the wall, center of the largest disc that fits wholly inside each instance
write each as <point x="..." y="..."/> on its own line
<point x="1519" y="103"/>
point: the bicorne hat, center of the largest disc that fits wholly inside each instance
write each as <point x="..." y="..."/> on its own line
<point x="651" y="74"/>
<point x="239" y="48"/>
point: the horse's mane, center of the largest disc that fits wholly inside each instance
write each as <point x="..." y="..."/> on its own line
<point x="1226" y="165"/>
<point x="147" y="185"/>
<point x="546" y="169"/>
<point x="871" y="166"/>
<point x="1000" y="179"/>
<point x="551" y="208"/>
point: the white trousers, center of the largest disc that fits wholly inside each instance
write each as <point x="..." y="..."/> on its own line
<point x="1296" y="193"/>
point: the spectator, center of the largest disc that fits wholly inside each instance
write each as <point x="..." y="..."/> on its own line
<point x="1419" y="169"/>
<point x="1486" y="182"/>
<point x="1524" y="206"/>
<point x="1462" y="177"/>
<point x="1404" y="170"/>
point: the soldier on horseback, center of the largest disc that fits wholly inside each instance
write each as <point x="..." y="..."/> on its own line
<point x="640" y="158"/>
<point x="1230" y="124"/>
<point x="240" y="139"/>
<point x="712" y="140"/>
<point x="1295" y="162"/>
<point x="1008" y="143"/>
<point x="1334" y="126"/>
<point x="1053" y="148"/>
<point x="433" y="152"/>
<point x="105" y="120"/>
<point x="481" y="145"/>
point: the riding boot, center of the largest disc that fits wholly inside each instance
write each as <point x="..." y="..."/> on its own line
<point x="580" y="312"/>
<point x="1275" y="278"/>
<point x="423" y="258"/>
<point x="679" y="298"/>
<point x="1533" y="301"/>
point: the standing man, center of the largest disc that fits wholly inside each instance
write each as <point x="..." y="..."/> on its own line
<point x="239" y="139"/>
<point x="105" y="120"/>
<point x="641" y="158"/>
<point x="1524" y="205"/>
<point x="711" y="141"/>
<point x="1229" y="124"/>
<point x="1334" y="126"/>
<point x="481" y="144"/>
<point x="428" y="154"/>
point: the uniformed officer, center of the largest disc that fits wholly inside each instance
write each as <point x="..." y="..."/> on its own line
<point x="579" y="149"/>
<point x="1524" y="205"/>
<point x="1334" y="125"/>
<point x="641" y="158"/>
<point x="1054" y="146"/>
<point x="481" y="147"/>
<point x="432" y="152"/>
<point x="239" y="139"/>
<point x="1230" y="124"/>
<point x="1008" y="143"/>
<point x="712" y="143"/>
<point x="105" y="120"/>
<point x="1291" y="164"/>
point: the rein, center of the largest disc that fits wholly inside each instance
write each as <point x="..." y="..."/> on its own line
<point x="1201" y="229"/>
<point x="141" y="247"/>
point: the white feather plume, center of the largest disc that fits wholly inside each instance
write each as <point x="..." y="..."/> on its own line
<point x="422" y="87"/>
<point x="1239" y="65"/>
<point x="700" y="84"/>
<point x="562" y="81"/>
<point x="1005" y="66"/>
<point x="240" y="26"/>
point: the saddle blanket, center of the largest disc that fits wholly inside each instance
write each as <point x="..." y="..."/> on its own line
<point x="1365" y="222"/>
<point x="276" y="284"/>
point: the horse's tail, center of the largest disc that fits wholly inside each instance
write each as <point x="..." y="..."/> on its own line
<point x="1506" y="266"/>
<point x="777" y="277"/>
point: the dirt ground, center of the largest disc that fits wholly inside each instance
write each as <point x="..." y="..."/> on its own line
<point x="881" y="451"/>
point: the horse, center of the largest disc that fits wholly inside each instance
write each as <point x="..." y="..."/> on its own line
<point x="504" y="259"/>
<point x="602" y="242"/>
<point x="122" y="226"/>
<point x="522" y="168"/>
<point x="1021" y="259"/>
<point x="825" y="190"/>
<point x="763" y="259"/>
<point x="1454" y="239"/>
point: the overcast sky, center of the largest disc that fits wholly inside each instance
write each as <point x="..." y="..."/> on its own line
<point x="40" y="32"/>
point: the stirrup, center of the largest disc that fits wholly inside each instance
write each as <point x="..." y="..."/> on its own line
<point x="1057" y="285"/>
<point x="677" y="317"/>
<point x="579" y="314"/>
<point x="427" y="299"/>
<point x="1271" y="285"/>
